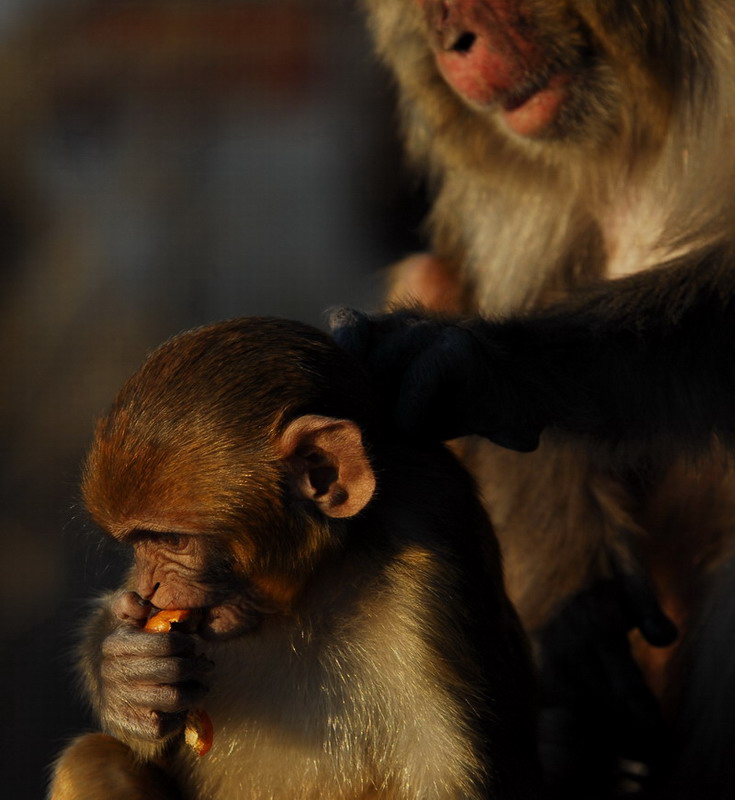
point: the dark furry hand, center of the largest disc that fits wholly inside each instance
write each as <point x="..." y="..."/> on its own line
<point x="445" y="377"/>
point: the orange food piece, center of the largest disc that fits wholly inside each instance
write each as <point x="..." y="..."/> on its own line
<point x="199" y="731"/>
<point x="162" y="621"/>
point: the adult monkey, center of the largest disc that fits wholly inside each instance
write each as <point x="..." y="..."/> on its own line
<point x="346" y="585"/>
<point x="580" y="150"/>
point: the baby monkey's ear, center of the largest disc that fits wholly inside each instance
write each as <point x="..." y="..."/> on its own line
<point x="329" y="464"/>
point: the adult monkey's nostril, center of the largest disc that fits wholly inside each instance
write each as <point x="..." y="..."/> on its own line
<point x="447" y="19"/>
<point x="464" y="42"/>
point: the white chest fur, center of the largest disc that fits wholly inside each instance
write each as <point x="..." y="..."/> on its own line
<point x="350" y="712"/>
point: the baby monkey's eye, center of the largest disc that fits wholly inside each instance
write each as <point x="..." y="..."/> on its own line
<point x="174" y="541"/>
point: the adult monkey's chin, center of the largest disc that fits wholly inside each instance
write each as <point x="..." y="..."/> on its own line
<point x="537" y="111"/>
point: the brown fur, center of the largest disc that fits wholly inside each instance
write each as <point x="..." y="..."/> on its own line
<point x="377" y="655"/>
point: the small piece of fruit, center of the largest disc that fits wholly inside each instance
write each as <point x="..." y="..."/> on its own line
<point x="162" y="621"/>
<point x="199" y="731"/>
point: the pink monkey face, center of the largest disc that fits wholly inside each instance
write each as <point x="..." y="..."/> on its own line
<point x="491" y="54"/>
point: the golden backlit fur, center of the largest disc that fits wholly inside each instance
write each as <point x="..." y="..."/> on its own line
<point x="342" y="704"/>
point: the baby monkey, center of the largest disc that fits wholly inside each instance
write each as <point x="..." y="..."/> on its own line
<point x="349" y="634"/>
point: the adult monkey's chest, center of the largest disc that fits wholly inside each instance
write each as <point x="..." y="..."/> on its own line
<point x="559" y="514"/>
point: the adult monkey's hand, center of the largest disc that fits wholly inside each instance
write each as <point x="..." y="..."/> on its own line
<point x="446" y="376"/>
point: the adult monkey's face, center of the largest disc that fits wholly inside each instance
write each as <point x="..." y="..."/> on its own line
<point x="492" y="52"/>
<point x="548" y="69"/>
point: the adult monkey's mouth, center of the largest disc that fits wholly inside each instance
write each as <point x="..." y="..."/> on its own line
<point x="489" y="53"/>
<point x="536" y="109"/>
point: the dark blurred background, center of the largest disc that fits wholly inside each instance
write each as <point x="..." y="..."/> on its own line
<point x="163" y="163"/>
